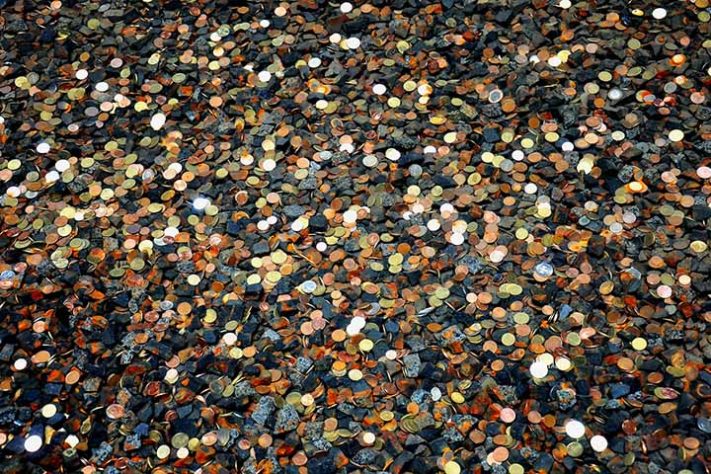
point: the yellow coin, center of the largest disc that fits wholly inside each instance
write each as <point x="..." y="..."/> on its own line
<point x="409" y="86"/>
<point x="516" y="469"/>
<point x="163" y="451"/>
<point x="395" y="259"/>
<point x="366" y="345"/>
<point x="294" y="398"/>
<point x="65" y="230"/>
<point x="279" y="257"/>
<point x="521" y="318"/>
<point x="273" y="277"/>
<point x="605" y="76"/>
<point x="452" y="468"/>
<point x="676" y="135"/>
<point x="210" y="316"/>
<point x="394" y="102"/>
<point x="49" y="410"/>
<point x="441" y="293"/>
<point x="607" y="287"/>
<point x="544" y="211"/>
<point x="639" y="343"/>
<point x="698" y="246"/>
<point x="573" y="339"/>
<point x="508" y="339"/>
